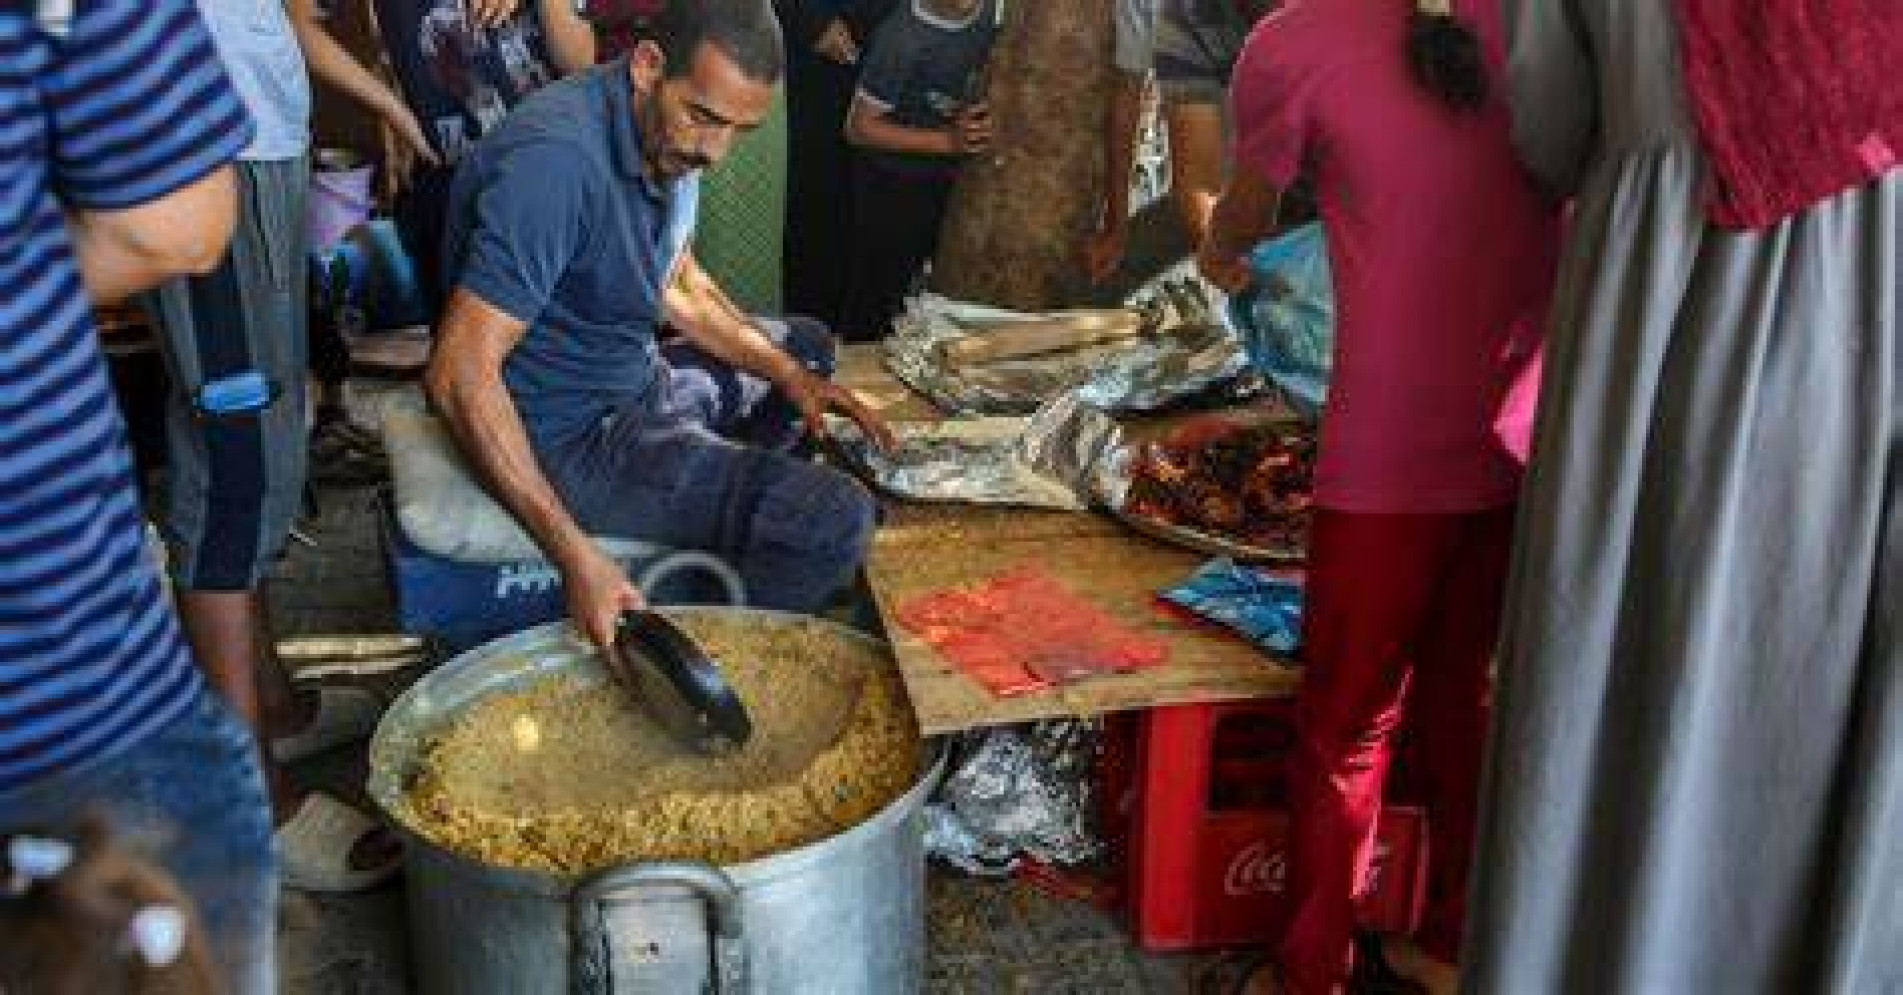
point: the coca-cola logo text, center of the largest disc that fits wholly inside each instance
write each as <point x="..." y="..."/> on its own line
<point x="1256" y="870"/>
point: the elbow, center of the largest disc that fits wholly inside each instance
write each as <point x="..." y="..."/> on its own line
<point x="220" y="218"/>
<point x="856" y="130"/>
<point x="196" y="245"/>
<point x="442" y="379"/>
<point x="452" y="383"/>
<point x="465" y="370"/>
<point x="439" y="386"/>
<point x="197" y="258"/>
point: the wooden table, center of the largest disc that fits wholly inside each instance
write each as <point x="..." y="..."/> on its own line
<point x="926" y="548"/>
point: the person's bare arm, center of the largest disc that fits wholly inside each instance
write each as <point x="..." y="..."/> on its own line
<point x="700" y="309"/>
<point x="464" y="383"/>
<point x="1196" y="162"/>
<point x="710" y="320"/>
<point x="571" y="39"/>
<point x="1103" y="250"/>
<point x="1243" y="216"/>
<point x="333" y="64"/>
<point x="122" y="252"/>
<point x="870" y="125"/>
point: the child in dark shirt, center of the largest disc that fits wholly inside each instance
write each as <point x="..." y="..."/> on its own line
<point x="916" y="116"/>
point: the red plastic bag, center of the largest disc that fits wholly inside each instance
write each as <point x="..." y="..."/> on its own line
<point x="1024" y="631"/>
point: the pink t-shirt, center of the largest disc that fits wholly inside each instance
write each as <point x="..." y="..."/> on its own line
<point x="1442" y="250"/>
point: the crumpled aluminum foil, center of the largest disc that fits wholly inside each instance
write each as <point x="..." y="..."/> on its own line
<point x="1019" y="789"/>
<point x="1189" y="349"/>
<point x="1054" y="459"/>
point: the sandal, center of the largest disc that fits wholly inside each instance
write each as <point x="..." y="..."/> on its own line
<point x="345" y="455"/>
<point x="314" y="848"/>
<point x="309" y="658"/>
<point x="355" y="437"/>
<point x="344" y="715"/>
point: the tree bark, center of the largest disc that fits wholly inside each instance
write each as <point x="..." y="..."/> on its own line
<point x="1019" y="214"/>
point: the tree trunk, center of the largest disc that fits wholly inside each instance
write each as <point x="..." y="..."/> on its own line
<point x="1019" y="214"/>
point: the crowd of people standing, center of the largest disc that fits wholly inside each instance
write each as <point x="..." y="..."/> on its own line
<point x="1655" y="677"/>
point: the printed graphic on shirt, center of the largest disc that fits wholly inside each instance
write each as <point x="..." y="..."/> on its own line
<point x="460" y="78"/>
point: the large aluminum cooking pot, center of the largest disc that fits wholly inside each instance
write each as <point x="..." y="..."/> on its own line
<point x="839" y="916"/>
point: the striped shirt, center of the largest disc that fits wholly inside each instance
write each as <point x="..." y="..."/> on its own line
<point x="118" y="105"/>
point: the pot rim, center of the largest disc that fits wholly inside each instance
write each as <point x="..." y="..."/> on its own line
<point x="385" y="785"/>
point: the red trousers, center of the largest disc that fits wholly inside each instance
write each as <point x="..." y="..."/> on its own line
<point x="1401" y="615"/>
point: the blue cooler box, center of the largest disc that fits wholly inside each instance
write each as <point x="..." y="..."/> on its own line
<point x="462" y="604"/>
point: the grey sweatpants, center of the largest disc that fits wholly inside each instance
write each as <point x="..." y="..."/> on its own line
<point x="234" y="481"/>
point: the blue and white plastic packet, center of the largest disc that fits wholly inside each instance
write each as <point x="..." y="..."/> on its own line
<point x="1265" y="607"/>
<point x="1286" y="317"/>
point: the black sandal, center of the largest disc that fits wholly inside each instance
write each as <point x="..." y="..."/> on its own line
<point x="343" y="454"/>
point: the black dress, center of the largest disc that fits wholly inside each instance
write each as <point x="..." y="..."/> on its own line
<point x="819" y="162"/>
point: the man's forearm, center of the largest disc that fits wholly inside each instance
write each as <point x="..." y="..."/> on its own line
<point x="1196" y="162"/>
<point x="332" y="63"/>
<point x="702" y="311"/>
<point x="470" y="397"/>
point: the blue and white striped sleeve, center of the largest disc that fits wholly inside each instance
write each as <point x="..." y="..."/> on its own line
<point x="139" y="104"/>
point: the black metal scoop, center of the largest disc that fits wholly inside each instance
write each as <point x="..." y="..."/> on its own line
<point x="679" y="685"/>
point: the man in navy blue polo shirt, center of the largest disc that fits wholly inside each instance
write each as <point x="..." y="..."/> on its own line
<point x="567" y="251"/>
<point x="116" y="127"/>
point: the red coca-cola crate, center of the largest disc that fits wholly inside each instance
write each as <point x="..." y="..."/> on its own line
<point x="1196" y="806"/>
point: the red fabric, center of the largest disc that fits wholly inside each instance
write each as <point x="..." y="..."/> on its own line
<point x="1796" y="100"/>
<point x="620" y="24"/>
<point x="1401" y="617"/>
<point x="1024" y="631"/>
<point x="1321" y="90"/>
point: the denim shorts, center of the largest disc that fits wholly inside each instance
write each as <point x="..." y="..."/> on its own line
<point x="192" y="797"/>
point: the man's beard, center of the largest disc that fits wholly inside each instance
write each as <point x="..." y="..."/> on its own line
<point x="667" y="161"/>
<point x="675" y="163"/>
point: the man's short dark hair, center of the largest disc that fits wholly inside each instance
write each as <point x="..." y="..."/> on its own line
<point x="743" y="30"/>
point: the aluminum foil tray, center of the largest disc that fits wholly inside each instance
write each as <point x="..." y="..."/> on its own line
<point x="1187" y="349"/>
<point x="1049" y="460"/>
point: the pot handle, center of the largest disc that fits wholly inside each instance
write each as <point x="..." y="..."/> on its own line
<point x="731" y="585"/>
<point x="589" y="944"/>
